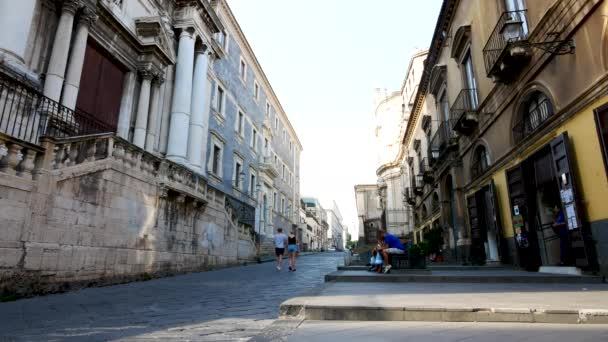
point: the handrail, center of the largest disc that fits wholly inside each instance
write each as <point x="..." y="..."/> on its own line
<point x="466" y="102"/>
<point x="28" y="115"/>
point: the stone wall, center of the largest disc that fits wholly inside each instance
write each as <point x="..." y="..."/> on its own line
<point x="99" y="210"/>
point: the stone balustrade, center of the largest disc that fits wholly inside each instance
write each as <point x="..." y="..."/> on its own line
<point x="75" y="151"/>
<point x="19" y="158"/>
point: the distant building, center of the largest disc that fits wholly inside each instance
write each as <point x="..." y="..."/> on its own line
<point x="369" y="212"/>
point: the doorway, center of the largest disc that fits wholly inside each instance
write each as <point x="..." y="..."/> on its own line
<point x="486" y="232"/>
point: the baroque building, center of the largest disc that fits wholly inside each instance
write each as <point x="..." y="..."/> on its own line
<point x="508" y="129"/>
<point x="136" y="138"/>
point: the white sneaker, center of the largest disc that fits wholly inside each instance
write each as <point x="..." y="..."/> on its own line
<point x="279" y="268"/>
<point x="387" y="269"/>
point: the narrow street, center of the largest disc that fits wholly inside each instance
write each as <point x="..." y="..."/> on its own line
<point x="229" y="304"/>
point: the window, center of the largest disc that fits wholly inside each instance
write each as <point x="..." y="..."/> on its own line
<point x="282" y="204"/>
<point x="238" y="173"/>
<point x="226" y="41"/>
<point x="274" y="201"/>
<point x="480" y="161"/>
<point x="239" y="123"/>
<point x="256" y="90"/>
<point x="469" y="80"/>
<point x="216" y="160"/>
<point x="265" y="147"/>
<point x="443" y="106"/>
<point x="252" y="184"/>
<point x="254" y="139"/>
<point x="267" y="109"/>
<point x="220" y="100"/>
<point x="276" y="122"/>
<point x="243" y="70"/>
<point x="536" y="109"/>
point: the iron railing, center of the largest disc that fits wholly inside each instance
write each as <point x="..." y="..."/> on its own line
<point x="409" y="196"/>
<point x="532" y="120"/>
<point x="512" y="27"/>
<point x="466" y="102"/>
<point x="418" y="185"/>
<point x="442" y="138"/>
<point x="26" y="114"/>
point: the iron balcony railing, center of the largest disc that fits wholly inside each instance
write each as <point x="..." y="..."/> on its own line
<point x="466" y="102"/>
<point x="409" y="196"/>
<point x="512" y="27"/>
<point x="418" y="185"/>
<point x="532" y="120"/>
<point x="442" y="139"/>
<point x="26" y="114"/>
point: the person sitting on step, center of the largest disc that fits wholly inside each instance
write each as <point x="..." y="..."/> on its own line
<point x="389" y="244"/>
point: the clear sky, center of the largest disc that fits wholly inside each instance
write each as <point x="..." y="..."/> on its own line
<point x="324" y="58"/>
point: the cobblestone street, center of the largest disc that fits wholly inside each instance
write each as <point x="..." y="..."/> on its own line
<point x="229" y="304"/>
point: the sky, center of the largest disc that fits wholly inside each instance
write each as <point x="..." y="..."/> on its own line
<point x="324" y="58"/>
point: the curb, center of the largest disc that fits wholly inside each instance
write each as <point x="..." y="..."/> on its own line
<point x="430" y="278"/>
<point x="438" y="314"/>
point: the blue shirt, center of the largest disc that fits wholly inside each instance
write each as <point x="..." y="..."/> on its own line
<point x="393" y="242"/>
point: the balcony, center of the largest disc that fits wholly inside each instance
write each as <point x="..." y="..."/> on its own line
<point x="418" y="185"/>
<point x="443" y="141"/>
<point x="409" y="196"/>
<point x="267" y="166"/>
<point x="426" y="171"/>
<point x="464" y="111"/>
<point x="28" y="115"/>
<point x="507" y="49"/>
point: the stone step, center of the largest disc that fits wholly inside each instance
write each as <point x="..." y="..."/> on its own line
<point x="491" y="276"/>
<point x="393" y="271"/>
<point x="531" y="303"/>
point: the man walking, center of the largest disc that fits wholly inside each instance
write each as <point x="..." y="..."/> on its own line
<point x="280" y="240"/>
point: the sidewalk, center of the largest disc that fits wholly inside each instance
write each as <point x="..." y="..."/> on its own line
<point x="454" y="302"/>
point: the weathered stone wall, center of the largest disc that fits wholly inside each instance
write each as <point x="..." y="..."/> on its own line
<point x="108" y="220"/>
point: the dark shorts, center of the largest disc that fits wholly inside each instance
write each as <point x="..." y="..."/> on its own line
<point x="279" y="251"/>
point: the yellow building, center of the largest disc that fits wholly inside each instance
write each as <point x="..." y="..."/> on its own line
<point x="512" y="112"/>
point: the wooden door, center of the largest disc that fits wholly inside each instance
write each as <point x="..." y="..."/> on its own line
<point x="101" y="86"/>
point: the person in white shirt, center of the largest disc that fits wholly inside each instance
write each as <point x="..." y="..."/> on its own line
<point x="280" y="241"/>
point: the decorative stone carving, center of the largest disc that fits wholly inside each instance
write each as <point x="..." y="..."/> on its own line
<point x="71" y="6"/>
<point x="87" y="17"/>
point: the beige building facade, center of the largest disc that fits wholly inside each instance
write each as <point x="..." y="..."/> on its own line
<point x="510" y="117"/>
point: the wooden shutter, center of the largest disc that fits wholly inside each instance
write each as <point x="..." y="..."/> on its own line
<point x="475" y="213"/>
<point x="601" y="122"/>
<point x="503" y="250"/>
<point x="567" y="188"/>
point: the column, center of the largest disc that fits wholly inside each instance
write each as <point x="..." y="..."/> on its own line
<point x="167" y="92"/>
<point x="59" y="55"/>
<point x="15" y="23"/>
<point x="177" y="148"/>
<point x="126" y="105"/>
<point x="196" y="134"/>
<point x="72" y="78"/>
<point x="154" y="114"/>
<point x="141" y="120"/>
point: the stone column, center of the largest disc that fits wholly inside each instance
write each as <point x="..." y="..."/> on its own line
<point x="126" y="105"/>
<point x="15" y="23"/>
<point x="177" y="148"/>
<point x="198" y="124"/>
<point x="154" y="114"/>
<point x="167" y="92"/>
<point x="61" y="46"/>
<point x="141" y="120"/>
<point x="72" y="78"/>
